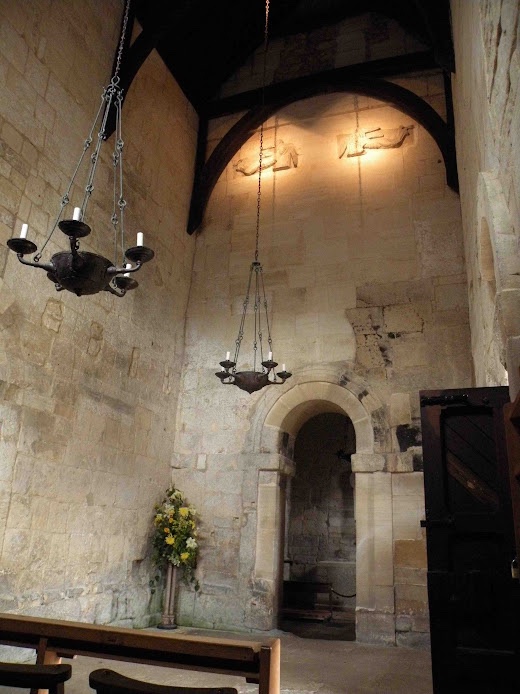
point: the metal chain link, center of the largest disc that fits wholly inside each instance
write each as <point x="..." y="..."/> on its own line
<point x="255" y="266"/>
<point x="261" y="152"/>
<point x="115" y="77"/>
<point x="266" y="38"/>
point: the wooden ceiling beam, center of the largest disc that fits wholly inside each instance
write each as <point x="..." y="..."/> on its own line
<point x="404" y="100"/>
<point x="385" y="67"/>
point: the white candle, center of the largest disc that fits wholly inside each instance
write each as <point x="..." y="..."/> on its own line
<point x="140" y="238"/>
<point x="222" y="368"/>
<point x="77" y="214"/>
<point x="270" y="356"/>
<point x="227" y="356"/>
<point x="128" y="266"/>
<point x="23" y="233"/>
<point x="283" y="367"/>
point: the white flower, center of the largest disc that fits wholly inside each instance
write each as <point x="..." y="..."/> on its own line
<point x="191" y="543"/>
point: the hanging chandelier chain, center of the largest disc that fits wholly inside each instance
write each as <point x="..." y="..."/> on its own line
<point x="253" y="380"/>
<point x="115" y="78"/>
<point x="238" y="341"/>
<point x="65" y="199"/>
<point x="261" y="152"/>
<point x="259" y="191"/>
<point x="268" y="323"/>
<point x="266" y="40"/>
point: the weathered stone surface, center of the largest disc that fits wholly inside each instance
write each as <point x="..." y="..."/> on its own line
<point x="402" y="319"/>
<point x="394" y="293"/>
<point x="366" y="462"/>
<point x="413" y="639"/>
<point x="372" y="627"/>
<point x="410" y="553"/>
<point x="400" y="410"/>
<point x="399" y="462"/>
<point x="82" y="380"/>
<point x="411" y="599"/>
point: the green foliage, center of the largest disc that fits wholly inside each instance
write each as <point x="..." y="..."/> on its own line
<point x="174" y="538"/>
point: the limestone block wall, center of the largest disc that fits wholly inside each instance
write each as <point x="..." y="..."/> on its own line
<point x="486" y="100"/>
<point x="364" y="270"/>
<point x="88" y="386"/>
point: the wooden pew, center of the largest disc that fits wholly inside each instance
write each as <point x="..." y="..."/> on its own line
<point x="257" y="661"/>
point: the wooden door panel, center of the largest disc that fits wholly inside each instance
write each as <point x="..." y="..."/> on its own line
<point x="512" y="425"/>
<point x="473" y="600"/>
<point x="470" y="440"/>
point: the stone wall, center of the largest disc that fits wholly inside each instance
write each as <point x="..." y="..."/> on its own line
<point x="486" y="88"/>
<point x="364" y="270"/>
<point x="88" y="386"/>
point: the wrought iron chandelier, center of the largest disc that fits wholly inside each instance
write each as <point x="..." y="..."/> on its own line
<point x="78" y="271"/>
<point x="265" y="374"/>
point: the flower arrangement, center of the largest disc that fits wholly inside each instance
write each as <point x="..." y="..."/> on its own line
<point x="175" y="532"/>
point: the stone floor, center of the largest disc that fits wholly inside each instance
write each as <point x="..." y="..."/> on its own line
<point x="309" y="666"/>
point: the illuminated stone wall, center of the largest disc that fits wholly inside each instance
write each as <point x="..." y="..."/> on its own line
<point x="88" y="386"/>
<point x="364" y="270"/>
<point x="486" y="88"/>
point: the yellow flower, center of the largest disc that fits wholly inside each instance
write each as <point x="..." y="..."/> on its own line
<point x="170" y="540"/>
<point x="185" y="556"/>
<point x="184" y="511"/>
<point x="166" y="530"/>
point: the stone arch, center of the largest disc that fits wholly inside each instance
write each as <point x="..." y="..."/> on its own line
<point x="331" y="388"/>
<point x="305" y="400"/>
<point x="277" y="419"/>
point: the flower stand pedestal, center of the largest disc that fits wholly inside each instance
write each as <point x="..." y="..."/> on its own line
<point x="168" y="615"/>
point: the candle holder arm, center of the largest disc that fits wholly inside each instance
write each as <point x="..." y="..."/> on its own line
<point x="110" y="288"/>
<point x="119" y="270"/>
<point x="44" y="266"/>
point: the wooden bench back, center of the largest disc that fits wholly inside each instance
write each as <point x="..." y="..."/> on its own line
<point x="257" y="661"/>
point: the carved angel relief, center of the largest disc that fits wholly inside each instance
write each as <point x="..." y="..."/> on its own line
<point x="358" y="143"/>
<point x="283" y="156"/>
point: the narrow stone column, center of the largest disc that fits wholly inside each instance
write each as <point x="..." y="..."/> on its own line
<point x="375" y="609"/>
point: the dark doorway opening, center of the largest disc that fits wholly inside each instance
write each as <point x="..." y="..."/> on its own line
<point x="320" y="544"/>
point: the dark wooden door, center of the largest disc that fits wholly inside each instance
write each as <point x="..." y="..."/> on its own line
<point x="474" y="602"/>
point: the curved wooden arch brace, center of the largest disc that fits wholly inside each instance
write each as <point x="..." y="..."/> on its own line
<point x="403" y="99"/>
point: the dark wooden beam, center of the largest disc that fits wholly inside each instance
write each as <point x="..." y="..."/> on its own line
<point x="393" y="94"/>
<point x="437" y="22"/>
<point x="386" y="67"/>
